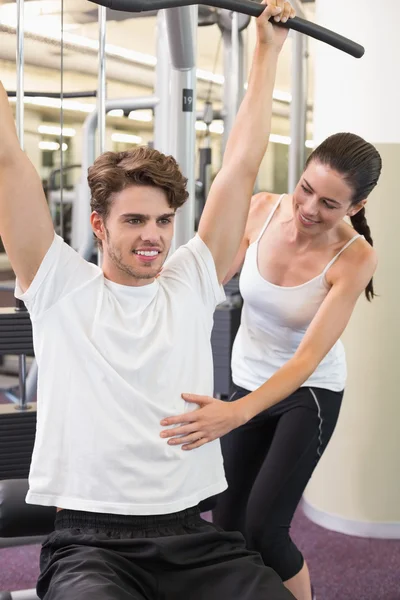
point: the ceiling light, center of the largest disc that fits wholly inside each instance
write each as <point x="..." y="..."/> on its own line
<point x="117" y="112"/>
<point x="41" y="26"/>
<point x="146" y="116"/>
<point x="210" y="76"/>
<point x="279" y="139"/>
<point x="282" y="96"/>
<point x="286" y="140"/>
<point x="52" y="146"/>
<point x="217" y="127"/>
<point x="56" y="103"/>
<point x="126" y="138"/>
<point x="54" y="130"/>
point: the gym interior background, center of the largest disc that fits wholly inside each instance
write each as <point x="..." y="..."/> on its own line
<point x="352" y="534"/>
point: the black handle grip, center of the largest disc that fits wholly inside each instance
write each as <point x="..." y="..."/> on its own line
<point x="247" y="7"/>
<point x="324" y="35"/>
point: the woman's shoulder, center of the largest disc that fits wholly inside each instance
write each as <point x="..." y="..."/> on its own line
<point x="360" y="248"/>
<point x="260" y="208"/>
<point x="263" y="202"/>
<point x="358" y="256"/>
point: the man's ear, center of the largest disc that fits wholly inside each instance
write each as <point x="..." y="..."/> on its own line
<point x="98" y="226"/>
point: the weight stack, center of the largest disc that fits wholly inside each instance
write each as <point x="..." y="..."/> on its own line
<point x="17" y="436"/>
<point x="226" y="323"/>
<point x="15" y="332"/>
<point x="17" y="426"/>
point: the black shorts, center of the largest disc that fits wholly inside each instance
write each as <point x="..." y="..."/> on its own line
<point x="93" y="556"/>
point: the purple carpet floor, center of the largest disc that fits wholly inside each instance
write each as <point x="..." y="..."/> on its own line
<point x="342" y="567"/>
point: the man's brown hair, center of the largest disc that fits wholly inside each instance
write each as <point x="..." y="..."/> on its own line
<point x="112" y="172"/>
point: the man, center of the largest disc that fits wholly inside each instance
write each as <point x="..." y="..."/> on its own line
<point x="116" y="347"/>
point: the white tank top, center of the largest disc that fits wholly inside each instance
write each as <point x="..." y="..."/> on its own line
<point x="274" y="321"/>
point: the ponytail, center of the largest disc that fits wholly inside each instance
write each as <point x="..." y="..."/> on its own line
<point x="360" y="224"/>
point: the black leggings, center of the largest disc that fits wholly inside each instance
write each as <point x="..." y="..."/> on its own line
<point x="268" y="463"/>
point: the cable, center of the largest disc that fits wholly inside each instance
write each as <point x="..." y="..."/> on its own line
<point x="211" y="83"/>
<point x="214" y="67"/>
<point x="62" y="124"/>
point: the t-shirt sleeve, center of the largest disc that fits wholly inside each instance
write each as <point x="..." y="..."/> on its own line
<point x="61" y="271"/>
<point x="193" y="265"/>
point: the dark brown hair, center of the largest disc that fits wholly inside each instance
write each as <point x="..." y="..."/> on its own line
<point x="112" y="172"/>
<point x="360" y="164"/>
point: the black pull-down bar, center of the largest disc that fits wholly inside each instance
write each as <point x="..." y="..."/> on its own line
<point x="247" y="7"/>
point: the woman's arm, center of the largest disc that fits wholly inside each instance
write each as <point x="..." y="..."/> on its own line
<point x="216" y="418"/>
<point x="323" y="333"/>
<point x="226" y="210"/>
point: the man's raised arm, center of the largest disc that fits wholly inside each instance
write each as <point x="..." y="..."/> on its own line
<point x="225" y="214"/>
<point x="26" y="228"/>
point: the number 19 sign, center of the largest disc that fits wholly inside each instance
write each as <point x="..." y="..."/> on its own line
<point x="187" y="100"/>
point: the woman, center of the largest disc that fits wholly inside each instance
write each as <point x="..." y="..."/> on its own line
<point x="303" y="269"/>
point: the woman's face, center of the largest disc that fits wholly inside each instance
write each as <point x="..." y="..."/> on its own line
<point x="321" y="200"/>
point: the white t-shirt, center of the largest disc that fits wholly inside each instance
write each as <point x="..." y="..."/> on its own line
<point x="113" y="361"/>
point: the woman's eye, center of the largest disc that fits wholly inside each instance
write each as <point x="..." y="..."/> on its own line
<point x="329" y="205"/>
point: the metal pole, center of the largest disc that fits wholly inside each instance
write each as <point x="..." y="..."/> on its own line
<point x="20" y="73"/>
<point x="182" y="37"/>
<point x="31" y="382"/>
<point x="234" y="80"/>
<point x="20" y="131"/>
<point x="298" y="110"/>
<point x="162" y="116"/>
<point x="22" y="382"/>
<point x="101" y="91"/>
<point x="233" y="75"/>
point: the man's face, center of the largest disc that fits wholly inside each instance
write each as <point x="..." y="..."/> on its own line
<point x="136" y="236"/>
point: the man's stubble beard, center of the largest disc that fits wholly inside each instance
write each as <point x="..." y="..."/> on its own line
<point x="116" y="257"/>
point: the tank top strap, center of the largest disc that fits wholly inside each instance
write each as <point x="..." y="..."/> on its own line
<point x="269" y="218"/>
<point x="330" y="263"/>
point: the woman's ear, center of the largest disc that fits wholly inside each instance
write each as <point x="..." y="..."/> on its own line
<point x="355" y="208"/>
